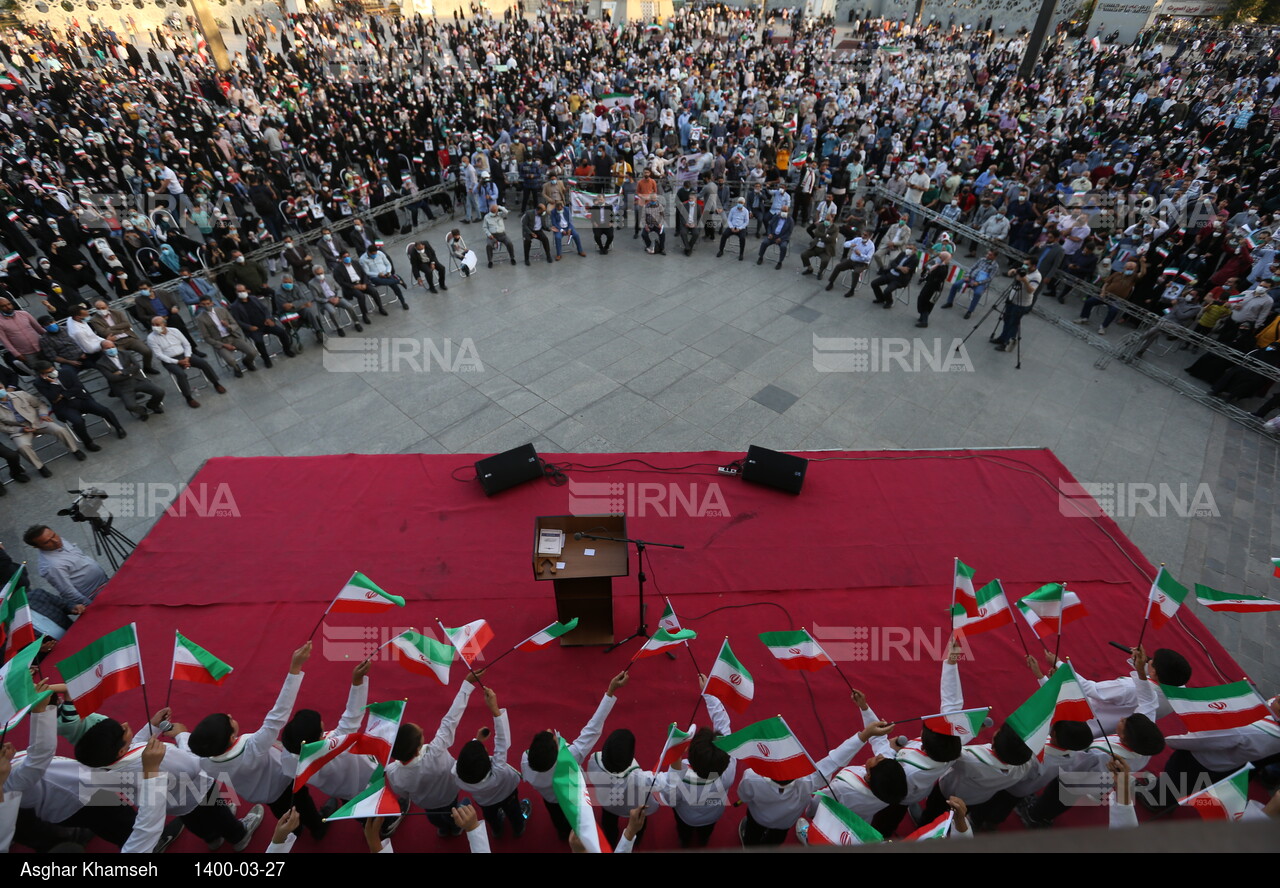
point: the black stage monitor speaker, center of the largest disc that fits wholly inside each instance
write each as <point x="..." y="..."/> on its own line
<point x="773" y="469"/>
<point x="497" y="473"/>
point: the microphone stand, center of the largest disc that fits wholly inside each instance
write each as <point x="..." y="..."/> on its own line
<point x="642" y="628"/>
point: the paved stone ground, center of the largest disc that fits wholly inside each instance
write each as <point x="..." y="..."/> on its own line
<point x="636" y="352"/>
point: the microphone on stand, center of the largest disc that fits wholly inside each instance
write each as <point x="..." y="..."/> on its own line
<point x="577" y="535"/>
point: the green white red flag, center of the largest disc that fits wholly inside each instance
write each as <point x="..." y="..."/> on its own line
<point x="1166" y="596"/>
<point x="1059" y="698"/>
<point x="362" y="595"/>
<point x="834" y="824"/>
<point x="314" y="756"/>
<point x="730" y="682"/>
<point x="1219" y="708"/>
<point x="1049" y="608"/>
<point x="675" y="747"/>
<point x="1275" y="564"/>
<point x="962" y="594"/>
<point x="1215" y="600"/>
<point x="570" y="787"/>
<point x="193" y="663"/>
<point x="17" y="629"/>
<point x="661" y="640"/>
<point x="669" y="620"/>
<point x="380" y="730"/>
<point x="965" y="724"/>
<point x="375" y="800"/>
<point x="770" y="749"/>
<point x="796" y="650"/>
<point x="544" y="637"/>
<point x="991" y="611"/>
<point x="1224" y="800"/>
<point x="939" y="828"/>
<point x="469" y="640"/>
<point x="422" y="655"/>
<point x="110" y="665"/>
<point x="17" y="692"/>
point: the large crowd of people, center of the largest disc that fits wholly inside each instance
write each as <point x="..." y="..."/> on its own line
<point x="159" y="213"/>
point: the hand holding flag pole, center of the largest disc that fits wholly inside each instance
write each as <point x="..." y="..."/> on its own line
<point x="1147" y="619"/>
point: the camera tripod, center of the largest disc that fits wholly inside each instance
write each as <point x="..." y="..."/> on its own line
<point x="106" y="539"/>
<point x="998" y="307"/>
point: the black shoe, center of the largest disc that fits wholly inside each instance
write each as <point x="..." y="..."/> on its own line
<point x="237" y="373"/>
<point x="527" y="262"/>
<point x="807" y="270"/>
<point x="739" y="257"/>
<point x="342" y="333"/>
<point x="444" y="286"/>
<point x="319" y="338"/>
<point x="366" y="319"/>
<point x="360" y="328"/>
<point x="513" y="262"/>
<point x="434" y="290"/>
<point x="888" y="303"/>
<point x="848" y="295"/>
<point x="44" y="472"/>
<point x="922" y="323"/>
<point x="79" y="454"/>
<point x="91" y="447"/>
<point x="251" y="366"/>
<point x="404" y="305"/>
<point x="721" y="253"/>
<point x="290" y="354"/>
<point x="777" y="267"/>
<point x="383" y="312"/>
<point x="268" y="363"/>
<point x="143" y="416"/>
<point x="121" y="433"/>
<point x="491" y="263"/>
<point x="967" y="315"/>
<point x="157" y="409"/>
<point x="760" y="261"/>
<point x="171" y="832"/>
<point x="948" y="305"/>
<point x="21" y="477"/>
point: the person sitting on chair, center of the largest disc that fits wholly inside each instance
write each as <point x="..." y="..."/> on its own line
<point x="425" y="267"/>
<point x="291" y="299"/>
<point x="223" y="334"/>
<point x="69" y="401"/>
<point x="127" y="381"/>
<point x="534" y="225"/>
<point x="258" y="322"/>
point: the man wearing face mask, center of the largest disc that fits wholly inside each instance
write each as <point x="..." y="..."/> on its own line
<point x="57" y="347"/>
<point x="425" y="267"/>
<point x="258" y="322"/>
<point x="329" y="248"/>
<point x="298" y="259"/>
<point x="223" y="334"/>
<point x="70" y="402"/>
<point x="358" y="237"/>
<point x="252" y="275"/>
<point x="115" y="327"/>
<point x="19" y="332"/>
<point x="292" y="299"/>
<point x="127" y="382"/>
<point x="355" y="284"/>
<point x="1119" y="285"/>
<point x="380" y="271"/>
<point x="147" y="304"/>
<point x="23" y="418"/>
<point x="176" y="356"/>
<point x="192" y="287"/>
<point x="328" y="296"/>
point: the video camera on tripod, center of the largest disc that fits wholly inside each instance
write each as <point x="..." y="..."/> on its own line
<point x="89" y="505"/>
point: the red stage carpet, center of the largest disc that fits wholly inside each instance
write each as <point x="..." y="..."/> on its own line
<point x="863" y="557"/>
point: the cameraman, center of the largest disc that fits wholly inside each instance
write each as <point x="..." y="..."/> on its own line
<point x="1018" y="301"/>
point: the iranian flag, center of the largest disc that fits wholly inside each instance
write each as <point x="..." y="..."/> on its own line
<point x="110" y="665"/>
<point x="669" y="620"/>
<point x="1221" y="601"/>
<point x="1275" y="563"/>
<point x="992" y="611"/>
<point x="1224" y="800"/>
<point x="17" y="691"/>
<point x="544" y="637"/>
<point x="1049" y="608"/>
<point x="379" y="733"/>
<point x="570" y="787"/>
<point x="193" y="663"/>
<point x="422" y="655"/>
<point x="361" y="595"/>
<point x="965" y="724"/>
<point x="9" y="80"/>
<point x="15" y="615"/>
<point x="375" y="800"/>
<point x="962" y="594"/>
<point x="1219" y="708"/>
<point x="314" y="756"/>
<point x="834" y="824"/>
<point x="1059" y="698"/>
<point x="938" y="829"/>
<point x="770" y="749"/>
<point x="796" y="650"/>
<point x="469" y="640"/>
<point x="661" y="640"/>
<point x="1166" y="596"/>
<point x="730" y="682"/>
<point x="675" y="747"/>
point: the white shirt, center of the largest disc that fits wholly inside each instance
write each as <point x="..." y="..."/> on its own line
<point x="349" y="773"/>
<point x="427" y="780"/>
<point x="698" y="801"/>
<point x="253" y="765"/>
<point x="502" y="779"/>
<point x="1120" y="698"/>
<point x="579" y="749"/>
<point x="978" y="775"/>
<point x="774" y="806"/>
<point x="377" y="265"/>
<point x="80" y="331"/>
<point x="170" y="347"/>
<point x="618" y="793"/>
<point x="1229" y="750"/>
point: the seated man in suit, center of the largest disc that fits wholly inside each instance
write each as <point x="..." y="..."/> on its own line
<point x="192" y="286"/>
<point x="298" y="258"/>
<point x="222" y="333"/>
<point x="116" y="327"/>
<point x="901" y="268"/>
<point x="69" y="401"/>
<point x="23" y="417"/>
<point x="291" y="299"/>
<point x="127" y="382"/>
<point x="562" y="227"/>
<point x="425" y="267"/>
<point x="329" y="300"/>
<point x="778" y="231"/>
<point x="534" y="225"/>
<point x="176" y="356"/>
<point x="258" y="322"/>
<point x="252" y="274"/>
<point x="148" y="304"/>
<point x="356" y="285"/>
<point x="602" y="225"/>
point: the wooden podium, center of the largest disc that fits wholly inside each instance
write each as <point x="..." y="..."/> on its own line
<point x="584" y="586"/>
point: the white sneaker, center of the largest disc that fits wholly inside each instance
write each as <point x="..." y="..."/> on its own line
<point x="802" y="831"/>
<point x="250" y="822"/>
<point x="1102" y="331"/>
<point x="1081" y="320"/>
